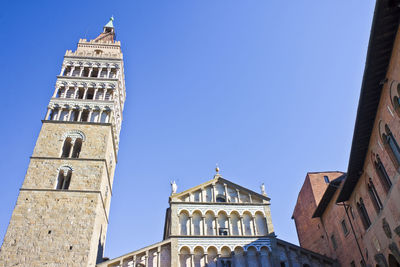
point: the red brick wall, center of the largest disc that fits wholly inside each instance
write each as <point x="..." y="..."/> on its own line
<point x="310" y="230"/>
<point x="374" y="238"/>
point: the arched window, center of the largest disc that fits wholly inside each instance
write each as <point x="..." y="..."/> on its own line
<point x="374" y="196"/>
<point x="184" y="257"/>
<point x="391" y="144"/>
<point x="383" y="176"/>
<point x="362" y="211"/>
<point x="64" y="179"/>
<point x="77" y="148"/>
<point x="66" y="150"/>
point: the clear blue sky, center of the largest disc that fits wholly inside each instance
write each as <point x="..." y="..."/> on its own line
<point x="266" y="88"/>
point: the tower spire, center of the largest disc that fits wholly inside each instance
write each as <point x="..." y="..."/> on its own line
<point x="108" y="34"/>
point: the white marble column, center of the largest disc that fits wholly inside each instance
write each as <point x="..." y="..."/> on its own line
<point x="104" y="94"/>
<point x="158" y="257"/>
<point x="85" y="92"/>
<point x="108" y="72"/>
<point x="81" y="71"/>
<point x="213" y="193"/>
<point x="254" y="226"/>
<point x="242" y="232"/>
<point x="191" y="225"/>
<point x="90" y="115"/>
<point x="226" y="192"/>
<point x="100" y="113"/>
<point x="203" y="220"/>
<point x="229" y="225"/>
<point x="95" y="93"/>
<point x="62" y="70"/>
<point x="216" y="226"/>
<point x="76" y="92"/>
<point x="48" y="113"/>
<point x="90" y="71"/>
<point x="98" y="74"/>
<point x="72" y="70"/>
<point x="80" y="114"/>
<point x="56" y="91"/>
<point x="238" y="195"/>
<point x="59" y="113"/>
<point x="69" y="114"/>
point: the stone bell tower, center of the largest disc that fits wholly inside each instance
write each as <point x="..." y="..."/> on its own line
<point x="61" y="215"/>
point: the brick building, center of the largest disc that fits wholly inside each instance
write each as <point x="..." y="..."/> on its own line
<point x="357" y="218"/>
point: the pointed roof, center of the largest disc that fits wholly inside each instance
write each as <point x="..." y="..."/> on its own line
<point x="110" y="23"/>
<point x="108" y="34"/>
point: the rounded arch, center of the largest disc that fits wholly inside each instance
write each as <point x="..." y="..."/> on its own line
<point x="226" y="251"/>
<point x="74" y="134"/>
<point x="381" y="128"/>
<point x="64" y="177"/>
<point x="198" y="256"/>
<point x="197" y="221"/>
<point x="239" y="258"/>
<point x="197" y="212"/>
<point x="394" y="96"/>
<point x="212" y="255"/>
<point x="184" y="256"/>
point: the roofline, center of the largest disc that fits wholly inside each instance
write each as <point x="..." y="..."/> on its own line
<point x="216" y="178"/>
<point x="327" y="196"/>
<point x="384" y="29"/>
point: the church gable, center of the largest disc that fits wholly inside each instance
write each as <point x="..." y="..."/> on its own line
<point x="219" y="190"/>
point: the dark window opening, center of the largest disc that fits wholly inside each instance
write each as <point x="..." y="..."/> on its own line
<point x="81" y="92"/>
<point x="95" y="72"/>
<point x="374" y="196"/>
<point x="64" y="180"/>
<point x="363" y="214"/>
<point x="77" y="148"/>
<point x="334" y="243"/>
<point x="383" y="176"/>
<point x="344" y="227"/>
<point x="326" y="178"/>
<point x="85" y="115"/>
<point x="220" y="198"/>
<point x="90" y="94"/>
<point x="392" y="145"/>
<point x="66" y="148"/>
<point x="223" y="231"/>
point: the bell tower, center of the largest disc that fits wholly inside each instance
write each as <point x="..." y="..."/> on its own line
<point x="61" y="214"/>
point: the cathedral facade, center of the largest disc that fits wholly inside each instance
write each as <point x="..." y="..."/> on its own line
<point x="219" y="224"/>
<point x="61" y="215"/>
